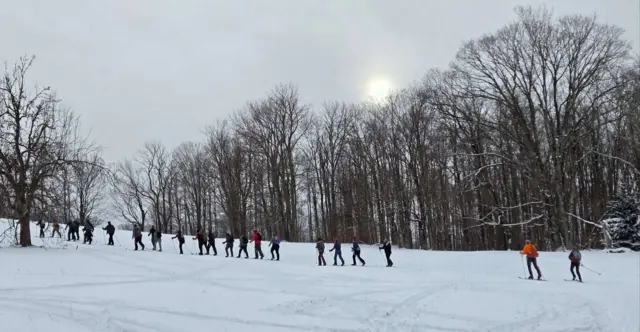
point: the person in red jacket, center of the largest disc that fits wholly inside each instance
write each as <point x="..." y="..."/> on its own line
<point x="257" y="240"/>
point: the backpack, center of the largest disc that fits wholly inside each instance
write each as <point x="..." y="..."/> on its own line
<point x="259" y="236"/>
<point x="577" y="256"/>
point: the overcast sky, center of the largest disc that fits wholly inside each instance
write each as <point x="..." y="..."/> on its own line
<point x="138" y="70"/>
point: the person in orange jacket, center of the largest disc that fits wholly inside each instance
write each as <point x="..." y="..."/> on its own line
<point x="532" y="255"/>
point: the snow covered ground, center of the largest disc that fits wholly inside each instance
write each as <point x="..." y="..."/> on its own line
<point x="101" y="288"/>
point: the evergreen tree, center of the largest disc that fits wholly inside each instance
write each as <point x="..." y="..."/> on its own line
<point x="623" y="220"/>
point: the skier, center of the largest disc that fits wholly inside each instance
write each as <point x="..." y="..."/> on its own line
<point x="76" y="229"/>
<point x="244" y="241"/>
<point x="56" y="229"/>
<point x="275" y="246"/>
<point x="137" y="237"/>
<point x="575" y="257"/>
<point x="355" y="248"/>
<point x="229" y="244"/>
<point x="202" y="240"/>
<point x="180" y="239"/>
<point x="532" y="254"/>
<point x="387" y="251"/>
<point x="320" y="248"/>
<point x="152" y="233"/>
<point x="88" y="234"/>
<point x="110" y="230"/>
<point x="257" y="239"/>
<point x="212" y="242"/>
<point x="42" y="226"/>
<point x="70" y="233"/>
<point x="159" y="238"/>
<point x="337" y="246"/>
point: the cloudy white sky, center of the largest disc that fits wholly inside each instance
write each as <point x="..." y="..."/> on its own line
<point x="138" y="70"/>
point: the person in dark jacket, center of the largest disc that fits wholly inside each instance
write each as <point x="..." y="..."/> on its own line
<point x="337" y="246"/>
<point x="76" y="228"/>
<point x="275" y="246"/>
<point x="42" y="225"/>
<point x="110" y="231"/>
<point x="575" y="257"/>
<point x="355" y="248"/>
<point x="229" y="244"/>
<point x="320" y="248"/>
<point x="257" y="240"/>
<point x="387" y="251"/>
<point x="159" y="238"/>
<point x="202" y="240"/>
<point x="212" y="242"/>
<point x="152" y="233"/>
<point x="88" y="234"/>
<point x="70" y="233"/>
<point x="244" y="241"/>
<point x="137" y="237"/>
<point x="180" y="239"/>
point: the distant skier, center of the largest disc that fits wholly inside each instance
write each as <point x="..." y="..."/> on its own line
<point x="275" y="246"/>
<point x="110" y="231"/>
<point x="137" y="237"/>
<point x="212" y="242"/>
<point x="257" y="240"/>
<point x="71" y="235"/>
<point x="575" y="257"/>
<point x="355" y="248"/>
<point x="387" y="251"/>
<point x="159" y="238"/>
<point x="76" y="228"/>
<point x="228" y="244"/>
<point x="42" y="225"/>
<point x="154" y="240"/>
<point x="244" y="241"/>
<point x="56" y="229"/>
<point x="88" y="234"/>
<point x="202" y="240"/>
<point x="320" y="248"/>
<point x="532" y="255"/>
<point x="337" y="246"/>
<point x="180" y="238"/>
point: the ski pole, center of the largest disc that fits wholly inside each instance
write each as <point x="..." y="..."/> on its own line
<point x="598" y="273"/>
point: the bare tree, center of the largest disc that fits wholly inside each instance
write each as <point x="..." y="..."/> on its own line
<point x="37" y="139"/>
<point x="127" y="193"/>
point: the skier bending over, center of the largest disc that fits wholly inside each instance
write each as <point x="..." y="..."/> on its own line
<point x="575" y="257"/>
<point x="532" y="255"/>
<point x="320" y="248"/>
<point x="202" y="240"/>
<point x="243" y="246"/>
<point x="137" y="237"/>
<point x="355" y="248"/>
<point x="110" y="231"/>
<point x="275" y="246"/>
<point x="337" y="246"/>
<point x="56" y="229"/>
<point x="229" y="244"/>
<point x="88" y="234"/>
<point x="212" y="243"/>
<point x="180" y="239"/>
<point x="257" y="240"/>
<point x="387" y="251"/>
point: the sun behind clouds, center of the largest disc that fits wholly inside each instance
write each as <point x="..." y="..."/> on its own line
<point x="378" y="88"/>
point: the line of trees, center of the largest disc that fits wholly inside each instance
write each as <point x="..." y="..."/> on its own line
<point x="529" y="133"/>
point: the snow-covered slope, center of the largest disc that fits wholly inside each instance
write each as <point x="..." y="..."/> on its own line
<point x="101" y="288"/>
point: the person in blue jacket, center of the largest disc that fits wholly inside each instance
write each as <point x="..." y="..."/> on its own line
<point x="338" y="248"/>
<point x="275" y="247"/>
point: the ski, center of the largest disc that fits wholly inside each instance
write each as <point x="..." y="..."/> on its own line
<point x="582" y="282"/>
<point x="532" y="279"/>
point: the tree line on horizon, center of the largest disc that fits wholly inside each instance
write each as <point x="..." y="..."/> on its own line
<point x="530" y="133"/>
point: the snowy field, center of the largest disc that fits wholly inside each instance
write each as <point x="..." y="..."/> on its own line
<point x="101" y="288"/>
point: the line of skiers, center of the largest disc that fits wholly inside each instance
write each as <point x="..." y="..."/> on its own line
<point x="355" y="249"/>
<point x="73" y="228"/>
<point x="530" y="251"/>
